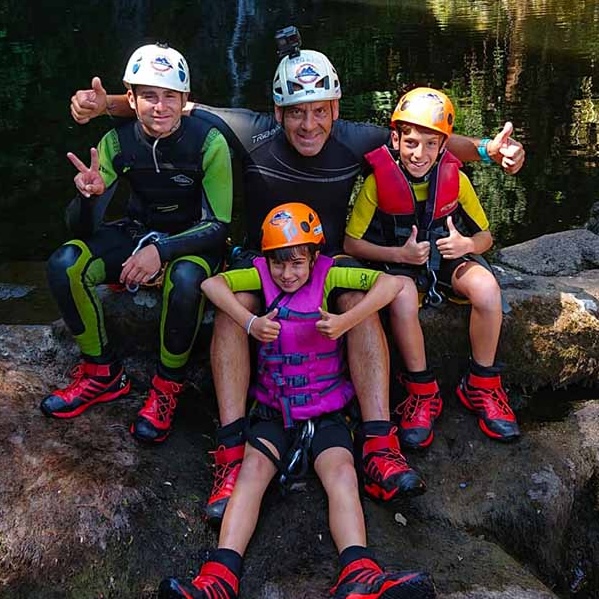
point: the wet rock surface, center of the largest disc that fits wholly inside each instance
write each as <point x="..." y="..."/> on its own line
<point x="85" y="511"/>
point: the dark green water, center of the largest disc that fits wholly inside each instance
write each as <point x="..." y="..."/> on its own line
<point x="531" y="62"/>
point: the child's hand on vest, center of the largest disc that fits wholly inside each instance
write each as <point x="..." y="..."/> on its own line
<point x="454" y="246"/>
<point x="266" y="328"/>
<point x="330" y="325"/>
<point x="413" y="251"/>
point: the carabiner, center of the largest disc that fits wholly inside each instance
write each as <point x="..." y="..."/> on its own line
<point x="303" y="444"/>
<point x="434" y="298"/>
<point x="150" y="237"/>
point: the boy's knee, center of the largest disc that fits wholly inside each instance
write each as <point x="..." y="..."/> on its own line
<point x="256" y="463"/>
<point x="345" y="476"/>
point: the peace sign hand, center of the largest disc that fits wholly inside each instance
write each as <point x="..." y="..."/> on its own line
<point x="88" y="180"/>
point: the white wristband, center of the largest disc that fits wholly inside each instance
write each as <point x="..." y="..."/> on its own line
<point x="248" y="326"/>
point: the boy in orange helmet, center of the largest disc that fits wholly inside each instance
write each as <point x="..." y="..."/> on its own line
<point x="301" y="391"/>
<point x="418" y="216"/>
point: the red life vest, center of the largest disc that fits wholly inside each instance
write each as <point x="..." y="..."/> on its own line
<point x="396" y="196"/>
<point x="302" y="373"/>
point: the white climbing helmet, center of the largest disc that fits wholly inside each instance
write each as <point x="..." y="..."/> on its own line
<point x="159" y="65"/>
<point x="308" y="77"/>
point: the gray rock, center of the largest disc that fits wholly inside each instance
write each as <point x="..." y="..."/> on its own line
<point x="556" y="254"/>
<point x="593" y="222"/>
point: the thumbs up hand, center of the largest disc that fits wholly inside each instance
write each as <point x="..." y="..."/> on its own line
<point x="455" y="245"/>
<point x="87" y="104"/>
<point x="266" y="328"/>
<point x="413" y="251"/>
<point x="506" y="151"/>
<point x="330" y="325"/>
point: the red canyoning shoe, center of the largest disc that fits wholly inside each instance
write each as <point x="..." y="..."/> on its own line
<point x="215" y="581"/>
<point x="418" y="412"/>
<point x="365" y="579"/>
<point x="154" y="421"/>
<point x="485" y="396"/>
<point x="92" y="383"/>
<point x="386" y="472"/>
<point x="227" y="463"/>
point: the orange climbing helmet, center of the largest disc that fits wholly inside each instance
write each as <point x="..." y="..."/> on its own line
<point x="426" y="107"/>
<point x="291" y="224"/>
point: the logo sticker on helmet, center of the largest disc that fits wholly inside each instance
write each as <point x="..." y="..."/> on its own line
<point x="182" y="71"/>
<point x="284" y="220"/>
<point x="161" y="64"/>
<point x="307" y="73"/>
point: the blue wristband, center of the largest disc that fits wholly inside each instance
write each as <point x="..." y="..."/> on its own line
<point x="482" y="150"/>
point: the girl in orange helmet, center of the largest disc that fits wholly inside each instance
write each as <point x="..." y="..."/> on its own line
<point x="301" y="391"/>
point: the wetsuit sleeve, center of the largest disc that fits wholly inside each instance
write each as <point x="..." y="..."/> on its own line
<point x="364" y="209"/>
<point x="354" y="278"/>
<point x="243" y="129"/>
<point x="360" y="138"/>
<point x="471" y="209"/>
<point x="108" y="148"/>
<point x="242" y="279"/>
<point x="210" y="234"/>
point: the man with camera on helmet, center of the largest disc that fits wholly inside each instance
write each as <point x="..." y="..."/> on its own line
<point x="302" y="152"/>
<point x="177" y="221"/>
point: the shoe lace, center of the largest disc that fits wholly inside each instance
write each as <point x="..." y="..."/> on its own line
<point x="81" y="382"/>
<point x="163" y="403"/>
<point x="222" y="472"/>
<point x="413" y="405"/>
<point x="394" y="460"/>
<point x="495" y="400"/>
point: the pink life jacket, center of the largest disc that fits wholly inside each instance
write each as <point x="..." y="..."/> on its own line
<point x="302" y="373"/>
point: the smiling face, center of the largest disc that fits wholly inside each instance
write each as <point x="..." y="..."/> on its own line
<point x="291" y="274"/>
<point x="418" y="147"/>
<point x="308" y="125"/>
<point x="158" y="109"/>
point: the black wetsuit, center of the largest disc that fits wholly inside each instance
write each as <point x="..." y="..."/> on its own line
<point x="180" y="187"/>
<point x="274" y="172"/>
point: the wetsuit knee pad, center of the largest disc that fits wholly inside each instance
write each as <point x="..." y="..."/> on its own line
<point x="186" y="276"/>
<point x="62" y="259"/>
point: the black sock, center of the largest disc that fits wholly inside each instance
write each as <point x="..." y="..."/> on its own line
<point x="105" y="359"/>
<point x="232" y="434"/>
<point x="484" y="371"/>
<point x="229" y="558"/>
<point x="352" y="553"/>
<point x="377" y="428"/>
<point x="172" y="374"/>
<point x="422" y="376"/>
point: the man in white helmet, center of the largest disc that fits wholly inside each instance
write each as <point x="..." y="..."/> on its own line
<point x="303" y="152"/>
<point x="177" y="220"/>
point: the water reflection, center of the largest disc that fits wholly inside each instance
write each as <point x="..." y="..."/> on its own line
<point x="530" y="62"/>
